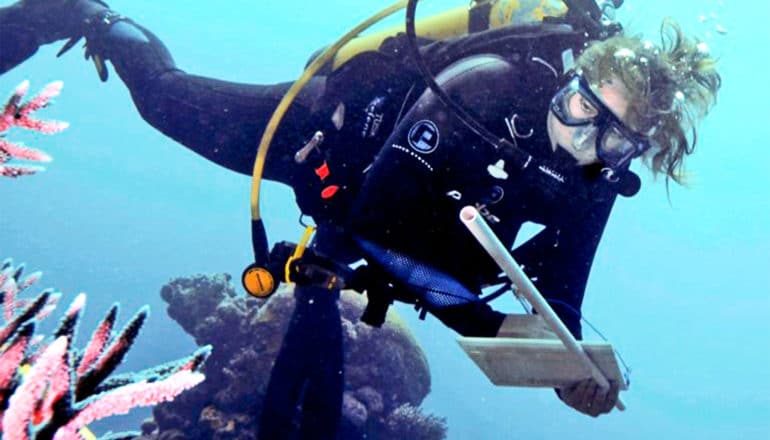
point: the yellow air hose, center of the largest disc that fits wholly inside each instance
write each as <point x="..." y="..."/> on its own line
<point x="283" y="106"/>
<point x="298" y="252"/>
<point x="257" y="280"/>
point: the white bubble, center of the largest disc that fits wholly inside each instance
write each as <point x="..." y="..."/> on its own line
<point x="721" y="29"/>
<point x="703" y="47"/>
<point x="625" y="53"/>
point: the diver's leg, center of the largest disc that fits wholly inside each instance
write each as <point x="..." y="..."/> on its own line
<point x="312" y="341"/>
<point x="28" y="24"/>
<point x="288" y="376"/>
<point x="322" y="403"/>
<point x="312" y="355"/>
<point x="19" y="41"/>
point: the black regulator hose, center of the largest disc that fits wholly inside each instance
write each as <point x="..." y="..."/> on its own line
<point x="427" y="75"/>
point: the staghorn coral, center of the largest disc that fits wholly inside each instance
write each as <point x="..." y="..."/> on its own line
<point x="16" y="114"/>
<point x="387" y="375"/>
<point x="51" y="390"/>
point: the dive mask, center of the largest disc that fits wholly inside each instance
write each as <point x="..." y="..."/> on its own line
<point x="576" y="105"/>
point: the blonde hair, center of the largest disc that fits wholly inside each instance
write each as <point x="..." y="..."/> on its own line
<point x="671" y="87"/>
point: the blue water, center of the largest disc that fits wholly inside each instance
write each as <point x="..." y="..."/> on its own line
<point x="682" y="288"/>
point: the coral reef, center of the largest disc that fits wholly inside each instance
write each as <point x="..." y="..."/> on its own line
<point x="50" y="390"/>
<point x="16" y="114"/>
<point x="386" y="372"/>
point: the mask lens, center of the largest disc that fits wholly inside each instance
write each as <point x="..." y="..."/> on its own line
<point x="572" y="106"/>
<point x="584" y="137"/>
<point x="615" y="142"/>
<point x="579" y="107"/>
<point x="615" y="148"/>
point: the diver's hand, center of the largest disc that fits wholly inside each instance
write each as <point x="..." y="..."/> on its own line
<point x="587" y="397"/>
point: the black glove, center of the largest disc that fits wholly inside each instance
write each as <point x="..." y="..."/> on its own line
<point x="53" y="20"/>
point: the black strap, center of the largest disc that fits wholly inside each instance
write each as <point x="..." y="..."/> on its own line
<point x="478" y="20"/>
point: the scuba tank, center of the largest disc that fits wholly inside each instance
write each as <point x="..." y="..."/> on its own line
<point x="481" y="15"/>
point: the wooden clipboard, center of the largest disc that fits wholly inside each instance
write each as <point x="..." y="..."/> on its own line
<point x="538" y="362"/>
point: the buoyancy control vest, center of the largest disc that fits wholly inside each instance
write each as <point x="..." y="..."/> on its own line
<point x="369" y="93"/>
<point x="365" y="66"/>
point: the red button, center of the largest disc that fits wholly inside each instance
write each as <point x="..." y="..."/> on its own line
<point x="323" y="171"/>
<point x="329" y="191"/>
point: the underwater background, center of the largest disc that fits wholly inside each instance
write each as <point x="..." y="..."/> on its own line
<point x="680" y="285"/>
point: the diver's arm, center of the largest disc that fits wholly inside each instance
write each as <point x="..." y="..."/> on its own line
<point x="559" y="259"/>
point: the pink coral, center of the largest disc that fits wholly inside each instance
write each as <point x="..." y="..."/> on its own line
<point x="123" y="399"/>
<point x="98" y="341"/>
<point x="16" y="114"/>
<point x="64" y="390"/>
<point x="21" y="406"/>
<point x="12" y="357"/>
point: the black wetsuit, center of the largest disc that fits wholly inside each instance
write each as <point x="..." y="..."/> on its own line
<point x="405" y="166"/>
<point x="413" y="193"/>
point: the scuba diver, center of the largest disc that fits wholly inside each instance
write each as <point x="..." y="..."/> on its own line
<point x="538" y="123"/>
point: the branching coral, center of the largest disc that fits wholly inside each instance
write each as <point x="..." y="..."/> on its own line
<point x="18" y="114"/>
<point x="52" y="391"/>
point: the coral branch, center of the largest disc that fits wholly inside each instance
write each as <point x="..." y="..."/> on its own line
<point x="13" y="355"/>
<point x="20" y="152"/>
<point x="30" y="280"/>
<point x="12" y="106"/>
<point x="50" y="305"/>
<point x="121" y="400"/>
<point x="58" y="389"/>
<point x="41" y="100"/>
<point x="21" y="406"/>
<point x="98" y="341"/>
<point x="9" y="289"/>
<point x="28" y="314"/>
<point x="16" y="114"/>
<point x="71" y="318"/>
<point x="18" y="171"/>
<point x="112" y="357"/>
<point x="191" y="363"/>
<point x="37" y="397"/>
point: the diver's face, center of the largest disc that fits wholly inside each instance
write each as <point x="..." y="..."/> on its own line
<point x="613" y="94"/>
